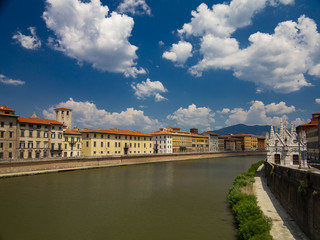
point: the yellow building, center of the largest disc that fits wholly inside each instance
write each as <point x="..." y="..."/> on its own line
<point x="72" y="143"/>
<point x="200" y="143"/>
<point x="102" y="142"/>
<point x="249" y="142"/>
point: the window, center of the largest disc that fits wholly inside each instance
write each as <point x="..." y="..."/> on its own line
<point x="87" y="144"/>
<point x="66" y="139"/>
<point x="59" y="135"/>
<point x="66" y="146"/>
<point x="22" y="144"/>
<point x="108" y="136"/>
<point x="38" y="144"/>
<point x="52" y="127"/>
<point x="144" y="145"/>
<point x="115" y="144"/>
<point x="87" y="135"/>
<point x="10" y="134"/>
<point x="10" y="145"/>
<point x="59" y="146"/>
<point x="2" y="134"/>
<point x="10" y="154"/>
<point x="101" y="135"/>
<point x="130" y="145"/>
<point x="38" y="134"/>
<point x="94" y="144"/>
<point x="30" y="133"/>
<point x="1" y="145"/>
<point x="2" y="124"/>
<point x="135" y="145"/>
<point x="95" y="135"/>
<point x="52" y="146"/>
<point x="39" y="126"/>
<point x="108" y="144"/>
<point x="53" y="135"/>
<point x="78" y="146"/>
<point x="101" y="144"/>
<point x="10" y="124"/>
<point x="45" y="134"/>
<point x="78" y="139"/>
<point x="138" y="145"/>
<point x="45" y="145"/>
<point x="30" y="144"/>
<point x="119" y="146"/>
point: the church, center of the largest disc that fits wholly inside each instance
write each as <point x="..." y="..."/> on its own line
<point x="286" y="147"/>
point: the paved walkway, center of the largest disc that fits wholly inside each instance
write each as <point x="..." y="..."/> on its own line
<point x="283" y="226"/>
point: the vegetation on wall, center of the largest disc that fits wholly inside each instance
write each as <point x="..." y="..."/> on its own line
<point x="252" y="224"/>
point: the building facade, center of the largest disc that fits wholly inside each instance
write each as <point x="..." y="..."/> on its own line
<point x="213" y="141"/>
<point x="64" y="115"/>
<point x="284" y="147"/>
<point x="8" y="133"/>
<point x="115" y="142"/>
<point x="72" y="144"/>
<point x="162" y="142"/>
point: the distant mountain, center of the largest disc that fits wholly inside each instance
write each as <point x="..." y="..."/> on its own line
<point x="242" y="128"/>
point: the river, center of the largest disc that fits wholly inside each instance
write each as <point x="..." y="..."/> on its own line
<point x="183" y="200"/>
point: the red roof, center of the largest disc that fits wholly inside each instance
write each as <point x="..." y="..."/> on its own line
<point x="66" y="109"/>
<point x="5" y="108"/>
<point x="116" y="132"/>
<point x="53" y="121"/>
<point x="72" y="132"/>
<point x="33" y="120"/>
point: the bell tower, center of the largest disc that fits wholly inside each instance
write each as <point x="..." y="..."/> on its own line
<point x="64" y="115"/>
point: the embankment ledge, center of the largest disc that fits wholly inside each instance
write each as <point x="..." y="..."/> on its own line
<point x="38" y="166"/>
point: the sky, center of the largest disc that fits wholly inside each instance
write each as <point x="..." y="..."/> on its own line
<point x="145" y="64"/>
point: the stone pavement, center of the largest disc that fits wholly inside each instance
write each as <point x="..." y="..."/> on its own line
<point x="283" y="226"/>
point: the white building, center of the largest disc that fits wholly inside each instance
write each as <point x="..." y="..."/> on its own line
<point x="284" y="147"/>
<point x="213" y="141"/>
<point x="162" y="142"/>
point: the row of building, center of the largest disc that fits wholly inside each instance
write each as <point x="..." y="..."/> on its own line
<point x="32" y="137"/>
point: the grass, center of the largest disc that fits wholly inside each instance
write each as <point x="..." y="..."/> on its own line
<point x="252" y="224"/>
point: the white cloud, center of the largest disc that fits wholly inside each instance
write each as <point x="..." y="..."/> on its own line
<point x="276" y="62"/>
<point x="86" y="114"/>
<point x="280" y="108"/>
<point x="179" y="53"/>
<point x="224" y="111"/>
<point x="193" y="116"/>
<point x="298" y="121"/>
<point x="86" y="32"/>
<point x="317" y="100"/>
<point x="8" y="81"/>
<point x="148" y="89"/>
<point x="29" y="42"/>
<point x="258" y="112"/>
<point x="135" y="7"/>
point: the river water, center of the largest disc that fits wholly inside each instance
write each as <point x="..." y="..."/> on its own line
<point x="183" y="200"/>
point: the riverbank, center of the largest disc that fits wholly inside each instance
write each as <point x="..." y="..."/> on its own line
<point x="41" y="166"/>
<point x="283" y="226"/>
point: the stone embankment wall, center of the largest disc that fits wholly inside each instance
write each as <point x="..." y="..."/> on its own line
<point x="298" y="190"/>
<point x="36" y="166"/>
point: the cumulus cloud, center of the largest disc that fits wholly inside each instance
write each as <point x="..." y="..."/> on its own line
<point x="280" y="108"/>
<point x="276" y="62"/>
<point x="134" y="7"/>
<point x="179" y="53"/>
<point x="193" y="116"/>
<point x="86" y="32"/>
<point x="317" y="100"/>
<point x="87" y="115"/>
<point x="259" y="114"/>
<point x="148" y="88"/>
<point x="29" y="42"/>
<point x="224" y="111"/>
<point x="9" y="81"/>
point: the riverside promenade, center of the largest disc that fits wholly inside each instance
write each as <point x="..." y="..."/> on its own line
<point x="283" y="225"/>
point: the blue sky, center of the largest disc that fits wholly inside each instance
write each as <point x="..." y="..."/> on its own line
<point x="145" y="64"/>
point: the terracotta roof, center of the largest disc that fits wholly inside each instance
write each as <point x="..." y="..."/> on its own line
<point x="33" y="120"/>
<point x="116" y="132"/>
<point x="53" y="121"/>
<point x="67" y="109"/>
<point x="72" y="132"/>
<point x="261" y="137"/>
<point x="212" y="133"/>
<point x="5" y="108"/>
<point x="8" y="115"/>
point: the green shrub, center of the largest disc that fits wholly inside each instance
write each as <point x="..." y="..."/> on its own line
<point x="252" y="223"/>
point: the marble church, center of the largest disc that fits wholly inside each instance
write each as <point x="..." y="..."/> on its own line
<point x="286" y="147"/>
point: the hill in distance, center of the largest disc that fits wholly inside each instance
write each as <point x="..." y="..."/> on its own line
<point x="258" y="130"/>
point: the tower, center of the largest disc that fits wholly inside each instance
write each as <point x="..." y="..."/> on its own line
<point x="64" y="115"/>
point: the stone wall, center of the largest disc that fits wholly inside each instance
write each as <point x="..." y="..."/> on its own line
<point x="27" y="167"/>
<point x="298" y="191"/>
